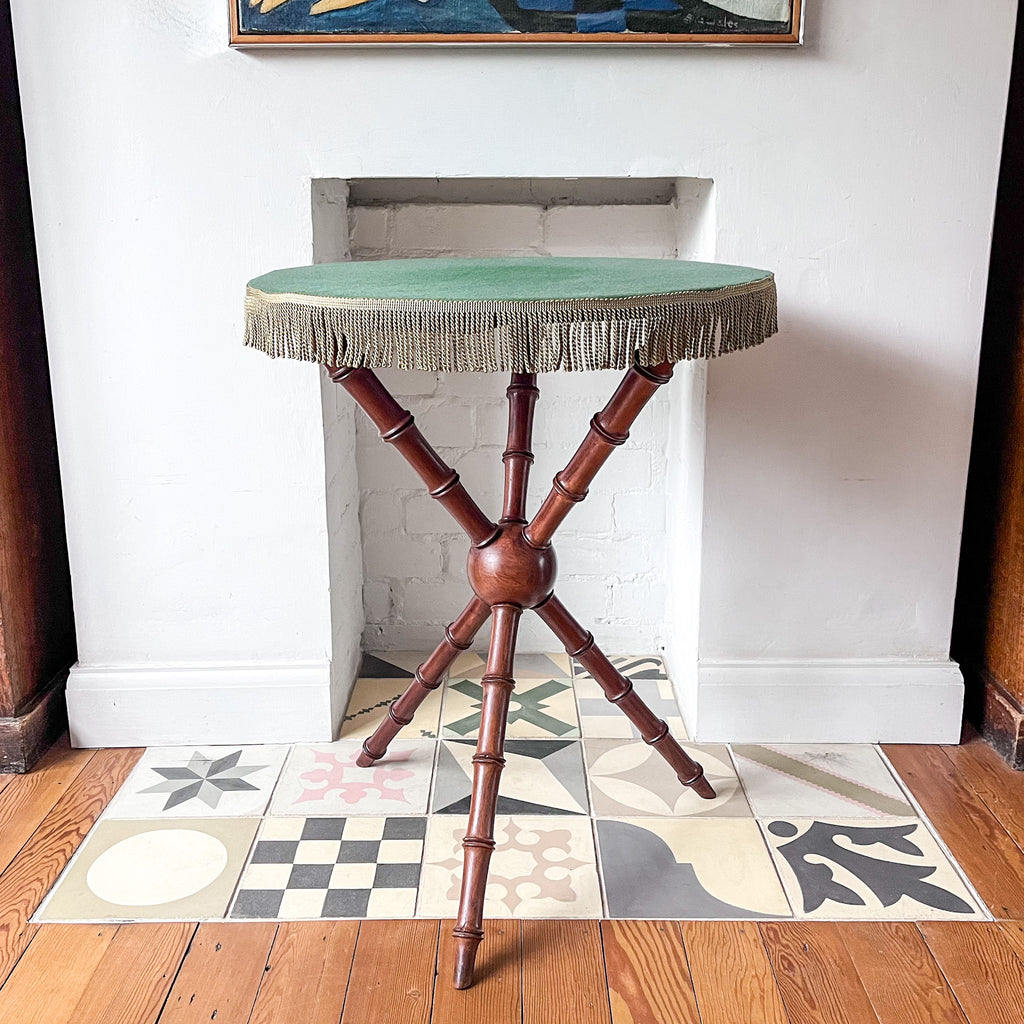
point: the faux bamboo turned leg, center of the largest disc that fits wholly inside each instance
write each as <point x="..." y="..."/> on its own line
<point x="397" y="427"/>
<point x="619" y="690"/>
<point x="608" y="429"/>
<point x="458" y="635"/>
<point x="518" y="457"/>
<point x="488" y="761"/>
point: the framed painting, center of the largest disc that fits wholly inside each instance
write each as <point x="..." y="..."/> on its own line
<point x="326" y="22"/>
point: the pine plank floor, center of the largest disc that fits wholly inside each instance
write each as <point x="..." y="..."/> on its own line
<point x="548" y="972"/>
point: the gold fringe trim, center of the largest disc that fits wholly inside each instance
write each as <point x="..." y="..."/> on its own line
<point x="518" y="336"/>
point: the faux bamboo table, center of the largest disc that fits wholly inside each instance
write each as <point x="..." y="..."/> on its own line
<point x="524" y="317"/>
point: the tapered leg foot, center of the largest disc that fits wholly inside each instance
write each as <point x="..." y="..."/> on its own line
<point x="457" y="637"/>
<point x="580" y="645"/>
<point x="466" y="944"/>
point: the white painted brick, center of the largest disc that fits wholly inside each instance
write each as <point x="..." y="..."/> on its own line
<point x="466" y="229"/>
<point x="622" y="555"/>
<point x="586" y="599"/>
<point x="472" y="385"/>
<point x="377" y="600"/>
<point x="399" y="556"/>
<point x="639" y="599"/>
<point x="492" y="423"/>
<point x="436" y="603"/>
<point x="368" y="228"/>
<point x="610" y="231"/>
<point x="448" y="424"/>
<point x="640" y="512"/>
<point x="408" y="382"/>
<point x="424" y="514"/>
<point x="380" y="513"/>
<point x="380" y="466"/>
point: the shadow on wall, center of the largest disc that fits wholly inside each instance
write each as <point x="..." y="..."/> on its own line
<point x="829" y="440"/>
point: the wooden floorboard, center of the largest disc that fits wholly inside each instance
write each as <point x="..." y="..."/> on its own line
<point x="26" y="799"/>
<point x="648" y="979"/>
<point x="984" y="849"/>
<point x="902" y="980"/>
<point x="814" y="972"/>
<point x="563" y="973"/>
<point x="981" y="968"/>
<point x="220" y="976"/>
<point x="497" y="992"/>
<point x="307" y="974"/>
<point x="24" y="883"/>
<point x="392" y="973"/>
<point x="732" y="975"/>
<point x="1001" y="790"/>
<point x="54" y="974"/>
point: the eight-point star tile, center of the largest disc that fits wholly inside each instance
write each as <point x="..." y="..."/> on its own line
<point x="187" y="782"/>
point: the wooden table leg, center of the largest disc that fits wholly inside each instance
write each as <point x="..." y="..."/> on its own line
<point x="619" y="690"/>
<point x="488" y="761"/>
<point x="458" y="635"/>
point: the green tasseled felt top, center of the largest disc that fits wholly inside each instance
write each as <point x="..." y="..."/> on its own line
<point x="526" y="315"/>
<point x="525" y="279"/>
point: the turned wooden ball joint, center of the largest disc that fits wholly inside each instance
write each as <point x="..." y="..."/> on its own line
<point x="510" y="570"/>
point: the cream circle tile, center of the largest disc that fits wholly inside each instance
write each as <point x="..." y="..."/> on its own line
<point x="153" y="868"/>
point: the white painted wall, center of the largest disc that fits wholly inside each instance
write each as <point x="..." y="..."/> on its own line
<point x="166" y="170"/>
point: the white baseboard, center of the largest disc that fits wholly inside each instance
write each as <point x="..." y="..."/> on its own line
<point x="829" y="701"/>
<point x="150" y="705"/>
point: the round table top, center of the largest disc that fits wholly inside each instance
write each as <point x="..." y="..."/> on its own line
<point x="526" y="314"/>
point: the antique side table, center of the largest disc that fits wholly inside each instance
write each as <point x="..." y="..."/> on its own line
<point x="525" y="317"/>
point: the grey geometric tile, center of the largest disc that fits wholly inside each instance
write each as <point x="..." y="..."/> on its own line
<point x="629" y="777"/>
<point x="539" y="777"/>
<point x="668" y="868"/>
<point x="332" y="868"/>
<point x="818" y="780"/>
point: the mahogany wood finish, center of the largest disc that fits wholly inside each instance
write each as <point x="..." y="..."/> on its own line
<point x="511" y="567"/>
<point x="497" y="685"/>
<point x="37" y="631"/>
<point x="608" y="429"/>
<point x="458" y="635"/>
<point x="579" y="644"/>
<point x="518" y="456"/>
<point x="398" y="427"/>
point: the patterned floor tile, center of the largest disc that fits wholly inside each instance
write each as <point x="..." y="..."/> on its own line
<point x="390" y="664"/>
<point x="629" y="777"/>
<point x="541" y="867"/>
<point x="539" y="777"/>
<point x="540" y="708"/>
<point x="184" y="869"/>
<point x="368" y="707"/>
<point x="632" y="666"/>
<point x="881" y="869"/>
<point x="818" y="780"/>
<point x="602" y="719"/>
<point x="333" y="868"/>
<point x="691" y="868"/>
<point x="324" y="779"/>
<point x="470" y="665"/>
<point x="190" y="782"/>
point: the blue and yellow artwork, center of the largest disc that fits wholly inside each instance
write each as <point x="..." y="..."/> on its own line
<point x="683" y="21"/>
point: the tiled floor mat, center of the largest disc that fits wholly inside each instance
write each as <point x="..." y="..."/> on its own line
<point x="591" y="821"/>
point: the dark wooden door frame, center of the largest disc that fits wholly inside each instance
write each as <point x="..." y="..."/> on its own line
<point x="37" y="635"/>
<point x="988" y="623"/>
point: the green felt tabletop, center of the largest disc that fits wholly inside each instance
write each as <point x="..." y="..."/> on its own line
<point x="522" y="279"/>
